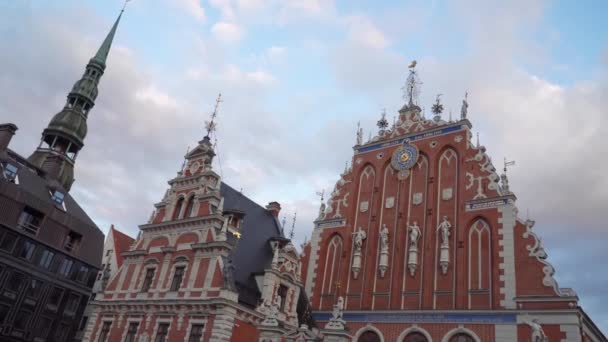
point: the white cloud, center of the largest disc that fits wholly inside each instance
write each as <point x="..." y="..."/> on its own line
<point x="156" y="96"/>
<point x="193" y="7"/>
<point x="225" y="8"/>
<point x="364" y="32"/>
<point x="276" y="53"/>
<point x="227" y="32"/>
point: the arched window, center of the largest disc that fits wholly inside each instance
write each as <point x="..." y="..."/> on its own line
<point x="415" y="337"/>
<point x="461" y="337"/>
<point x="189" y="205"/>
<point x="369" y="336"/>
<point x="178" y="208"/>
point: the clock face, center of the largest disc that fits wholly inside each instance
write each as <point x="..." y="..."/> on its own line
<point x="404" y="157"/>
<point x="194" y="167"/>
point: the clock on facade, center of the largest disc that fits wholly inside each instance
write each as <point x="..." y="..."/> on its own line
<point x="405" y="157"/>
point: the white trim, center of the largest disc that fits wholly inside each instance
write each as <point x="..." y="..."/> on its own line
<point x="368" y="327"/>
<point x="126" y="328"/>
<point x="414" y="329"/>
<point x="459" y="330"/>
<point x="160" y="320"/>
<point x="103" y="320"/>
<point x="506" y="240"/>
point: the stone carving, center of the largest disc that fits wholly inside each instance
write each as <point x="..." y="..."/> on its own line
<point x="337" y="322"/>
<point x="275" y="256"/>
<point x="272" y="313"/>
<point x="358" y="237"/>
<point x="341" y="202"/>
<point x="414" y="235"/>
<point x="383" y="264"/>
<point x="458" y="138"/>
<point x="363" y="206"/>
<point x="446" y="194"/>
<point x="390" y="202"/>
<point x="359" y="135"/>
<point x="536" y="250"/>
<point x="228" y="271"/>
<point x="472" y="179"/>
<point x="537" y="334"/>
<point x="417" y="198"/>
<point x="444" y="249"/>
<point x="465" y="107"/>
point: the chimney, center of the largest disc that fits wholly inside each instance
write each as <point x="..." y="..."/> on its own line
<point x="6" y="133"/>
<point x="274" y="208"/>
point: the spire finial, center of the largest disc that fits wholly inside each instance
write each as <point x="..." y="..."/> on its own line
<point x="124" y="5"/>
<point x="477" y="139"/>
<point x="210" y="125"/>
<point x="382" y="123"/>
<point x="359" y="133"/>
<point x="293" y="226"/>
<point x="437" y="108"/>
<point x="411" y="89"/>
<point x="102" y="54"/>
<point x="184" y="163"/>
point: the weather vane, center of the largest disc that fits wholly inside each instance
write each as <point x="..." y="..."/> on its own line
<point x="411" y="90"/>
<point x="125" y="5"/>
<point x="210" y="126"/>
<point x="508" y="163"/>
<point x="293" y="226"/>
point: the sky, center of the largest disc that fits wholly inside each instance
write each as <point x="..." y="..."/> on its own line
<point x="297" y="75"/>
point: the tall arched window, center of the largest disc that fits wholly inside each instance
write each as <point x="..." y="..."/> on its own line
<point x="332" y="264"/>
<point x="461" y="337"/>
<point x="189" y="206"/>
<point x="415" y="337"/>
<point x="369" y="336"/>
<point x="178" y="208"/>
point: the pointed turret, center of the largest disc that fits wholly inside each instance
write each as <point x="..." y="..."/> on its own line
<point x="64" y="136"/>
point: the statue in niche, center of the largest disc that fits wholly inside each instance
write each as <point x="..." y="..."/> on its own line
<point x="359" y="237"/>
<point x="228" y="271"/>
<point x="384" y="238"/>
<point x="444" y="228"/>
<point x="414" y="233"/>
<point x="338" y="309"/>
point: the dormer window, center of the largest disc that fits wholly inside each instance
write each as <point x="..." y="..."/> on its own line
<point x="9" y="171"/>
<point x="57" y="197"/>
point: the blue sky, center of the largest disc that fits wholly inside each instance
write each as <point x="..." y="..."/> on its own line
<point x="297" y="76"/>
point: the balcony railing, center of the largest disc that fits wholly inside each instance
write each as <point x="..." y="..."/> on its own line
<point x="28" y="227"/>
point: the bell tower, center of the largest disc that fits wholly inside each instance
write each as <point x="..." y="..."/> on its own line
<point x="64" y="137"/>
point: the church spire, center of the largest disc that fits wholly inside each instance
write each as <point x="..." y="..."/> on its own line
<point x="64" y="137"/>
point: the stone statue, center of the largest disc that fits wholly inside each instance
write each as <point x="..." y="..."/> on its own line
<point x="444" y="228"/>
<point x="414" y="232"/>
<point x="537" y="335"/>
<point x="228" y="271"/>
<point x="338" y="309"/>
<point x="465" y="107"/>
<point x="359" y="237"/>
<point x="384" y="238"/>
<point x="359" y="135"/>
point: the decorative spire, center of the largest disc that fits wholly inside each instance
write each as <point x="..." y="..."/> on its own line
<point x="359" y="133"/>
<point x="64" y="137"/>
<point x="477" y="139"/>
<point x="382" y="123"/>
<point x="411" y="90"/>
<point x="503" y="177"/>
<point x="437" y="108"/>
<point x="293" y="226"/>
<point x="465" y="106"/>
<point x="210" y="125"/>
<point x="102" y="54"/>
<point x="322" y="206"/>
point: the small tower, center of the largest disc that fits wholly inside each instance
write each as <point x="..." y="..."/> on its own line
<point x="64" y="136"/>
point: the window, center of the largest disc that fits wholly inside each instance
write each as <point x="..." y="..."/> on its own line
<point x="162" y="332"/>
<point x="461" y="337"/>
<point x="105" y="329"/>
<point x="8" y="242"/>
<point x="72" y="240"/>
<point x="283" y="294"/>
<point x="4" y="309"/>
<point x="148" y="280"/>
<point x="29" y="220"/>
<point x="71" y="305"/>
<point x="46" y="259"/>
<point x="58" y="197"/>
<point x="43" y="327"/>
<point x="196" y="333"/>
<point x="415" y="337"/>
<point x="131" y="332"/>
<point x="83" y="323"/>
<point x="14" y="282"/>
<point x="61" y="335"/>
<point x="369" y="336"/>
<point x="33" y="288"/>
<point x="189" y="206"/>
<point x="9" y="171"/>
<point x="21" y="320"/>
<point x="178" y="208"/>
<point x="66" y="267"/>
<point x="27" y="250"/>
<point x="54" y="299"/>
<point x="109" y="252"/>
<point x="81" y="275"/>
<point x="177" y="278"/>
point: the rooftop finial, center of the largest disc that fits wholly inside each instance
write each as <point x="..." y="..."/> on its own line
<point x="359" y="133"/>
<point x="477" y="139"/>
<point x="184" y="163"/>
<point x="411" y="88"/>
<point x="465" y="106"/>
<point x="508" y="163"/>
<point x="210" y="125"/>
<point x="382" y="123"/>
<point x="124" y="6"/>
<point x="292" y="231"/>
<point x="503" y="177"/>
<point x="437" y="108"/>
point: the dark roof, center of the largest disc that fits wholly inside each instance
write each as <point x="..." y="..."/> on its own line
<point x="252" y="253"/>
<point x="33" y="190"/>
